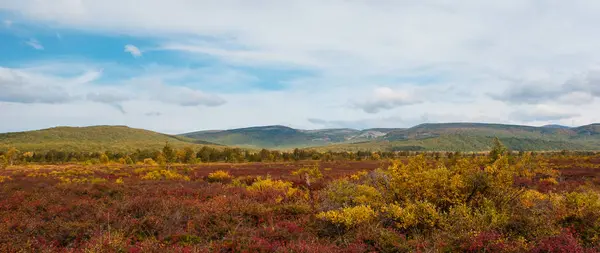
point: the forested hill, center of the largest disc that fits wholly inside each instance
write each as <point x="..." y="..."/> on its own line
<point x="443" y="137"/>
<point x="94" y="138"/>
<point x="424" y="137"/>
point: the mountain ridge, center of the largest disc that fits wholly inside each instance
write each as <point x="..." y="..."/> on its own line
<point x="461" y="136"/>
<point x="470" y="135"/>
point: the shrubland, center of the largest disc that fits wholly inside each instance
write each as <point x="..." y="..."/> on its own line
<point x="451" y="202"/>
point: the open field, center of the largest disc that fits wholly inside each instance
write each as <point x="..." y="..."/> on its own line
<point x="542" y="203"/>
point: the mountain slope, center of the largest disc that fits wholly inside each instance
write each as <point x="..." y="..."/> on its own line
<point x="478" y="136"/>
<point x="94" y="138"/>
<point x="283" y="137"/>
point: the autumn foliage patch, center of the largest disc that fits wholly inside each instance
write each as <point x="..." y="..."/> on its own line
<point x="461" y="203"/>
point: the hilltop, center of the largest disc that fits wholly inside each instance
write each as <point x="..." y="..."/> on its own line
<point x="282" y="137"/>
<point x="478" y="136"/>
<point x="93" y="138"/>
<point x="426" y="137"/>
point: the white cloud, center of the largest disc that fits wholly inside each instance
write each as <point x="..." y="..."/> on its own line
<point x="184" y="96"/>
<point x="468" y="60"/>
<point x="8" y="23"/>
<point x="133" y="50"/>
<point x="35" y="44"/>
<point x="40" y="85"/>
<point x="385" y="98"/>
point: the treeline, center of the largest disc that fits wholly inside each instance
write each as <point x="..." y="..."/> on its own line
<point x="186" y="155"/>
<point x="189" y="155"/>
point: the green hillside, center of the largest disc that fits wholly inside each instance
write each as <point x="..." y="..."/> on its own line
<point x="426" y="137"/>
<point x="478" y="136"/>
<point x="282" y="137"/>
<point x="94" y="138"/>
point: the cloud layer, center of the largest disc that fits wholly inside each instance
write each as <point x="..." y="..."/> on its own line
<point x="316" y="64"/>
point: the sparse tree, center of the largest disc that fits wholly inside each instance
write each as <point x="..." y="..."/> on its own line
<point x="169" y="153"/>
<point x="188" y="155"/>
<point x="11" y="155"/>
<point x="498" y="150"/>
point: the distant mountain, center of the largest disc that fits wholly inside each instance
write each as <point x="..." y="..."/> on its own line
<point x="443" y="137"/>
<point x="478" y="136"/>
<point x="427" y="137"/>
<point x="282" y="137"/>
<point x="94" y="138"/>
<point x="556" y="126"/>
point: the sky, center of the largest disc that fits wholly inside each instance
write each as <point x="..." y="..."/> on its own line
<point x="186" y="65"/>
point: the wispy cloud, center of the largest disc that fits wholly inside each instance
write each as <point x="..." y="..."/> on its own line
<point x="385" y="98"/>
<point x="133" y="50"/>
<point x="464" y="61"/>
<point x="35" y="44"/>
<point x="8" y="23"/>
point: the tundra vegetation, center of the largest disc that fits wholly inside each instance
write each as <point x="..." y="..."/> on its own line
<point x="186" y="200"/>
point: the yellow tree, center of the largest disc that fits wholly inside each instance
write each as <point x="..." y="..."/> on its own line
<point x="3" y="162"/>
<point x="11" y="155"/>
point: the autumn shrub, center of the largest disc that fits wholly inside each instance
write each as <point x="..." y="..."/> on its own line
<point x="349" y="216"/>
<point x="420" y="204"/>
<point x="243" y="181"/>
<point x="566" y="241"/>
<point x="150" y="161"/>
<point x="165" y="175"/>
<point x="413" y="215"/>
<point x="219" y="176"/>
<point x="277" y="190"/>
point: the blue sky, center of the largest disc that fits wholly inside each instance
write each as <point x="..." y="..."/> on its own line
<point x="178" y="66"/>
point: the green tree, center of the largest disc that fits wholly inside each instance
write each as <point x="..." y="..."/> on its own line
<point x="498" y="150"/>
<point x="188" y="155"/>
<point x="169" y="153"/>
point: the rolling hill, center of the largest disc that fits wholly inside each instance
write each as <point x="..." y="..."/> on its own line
<point x="425" y="137"/>
<point x="94" y="138"/>
<point x="478" y="136"/>
<point x="443" y="137"/>
<point x="282" y="137"/>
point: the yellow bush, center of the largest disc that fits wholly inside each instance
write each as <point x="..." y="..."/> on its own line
<point x="119" y="181"/>
<point x="582" y="203"/>
<point x="149" y="161"/>
<point x="530" y="197"/>
<point x="414" y="215"/>
<point x="359" y="175"/>
<point x="219" y="176"/>
<point x="349" y="216"/>
<point x="343" y="193"/>
<point x="164" y="175"/>
<point x="269" y="184"/>
<point x="309" y="173"/>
